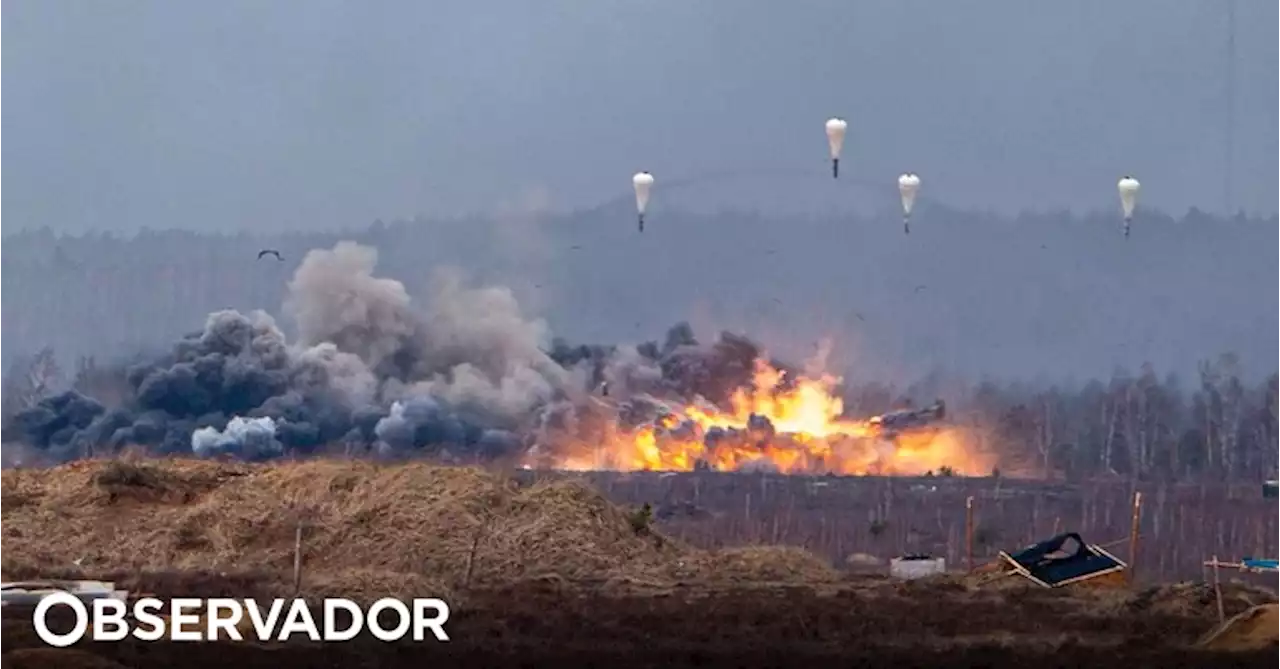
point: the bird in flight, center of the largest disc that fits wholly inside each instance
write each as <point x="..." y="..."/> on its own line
<point x="269" y="252"/>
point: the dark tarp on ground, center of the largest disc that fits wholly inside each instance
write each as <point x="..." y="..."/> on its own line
<point x="1037" y="563"/>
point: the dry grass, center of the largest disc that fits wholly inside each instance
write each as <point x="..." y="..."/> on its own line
<point x="1177" y="599"/>
<point x="520" y="553"/>
<point x="369" y="529"/>
<point x="772" y="563"/>
<point x="1255" y="629"/>
<point x="411" y="530"/>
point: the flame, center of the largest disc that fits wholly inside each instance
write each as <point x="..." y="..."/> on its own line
<point x="808" y="435"/>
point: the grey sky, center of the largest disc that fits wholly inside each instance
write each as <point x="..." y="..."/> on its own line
<point x="290" y="115"/>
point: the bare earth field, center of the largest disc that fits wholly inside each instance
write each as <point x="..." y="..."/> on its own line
<point x="548" y="572"/>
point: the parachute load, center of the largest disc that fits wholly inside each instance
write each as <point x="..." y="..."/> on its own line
<point x="1128" y="188"/>
<point x="836" y="128"/>
<point x="643" y="181"/>
<point x="908" y="186"/>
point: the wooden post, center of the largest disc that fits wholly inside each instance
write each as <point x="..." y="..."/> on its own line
<point x="297" y="561"/>
<point x="1133" y="535"/>
<point x="1217" y="592"/>
<point x="471" y="557"/>
<point x="968" y="533"/>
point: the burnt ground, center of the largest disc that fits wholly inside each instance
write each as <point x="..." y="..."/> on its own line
<point x="549" y="624"/>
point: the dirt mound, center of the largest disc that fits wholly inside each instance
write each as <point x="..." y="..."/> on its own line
<point x="1190" y="598"/>
<point x="1255" y="629"/>
<point x="863" y="561"/>
<point x="767" y="563"/>
<point x="366" y="527"/>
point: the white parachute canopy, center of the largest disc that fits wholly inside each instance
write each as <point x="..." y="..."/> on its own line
<point x="643" y="182"/>
<point x="1128" y="188"/>
<point x="908" y="187"/>
<point x="836" y="128"/>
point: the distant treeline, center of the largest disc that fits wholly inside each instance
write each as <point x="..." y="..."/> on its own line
<point x="1040" y="293"/>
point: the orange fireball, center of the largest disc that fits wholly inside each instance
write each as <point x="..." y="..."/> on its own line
<point x="795" y="429"/>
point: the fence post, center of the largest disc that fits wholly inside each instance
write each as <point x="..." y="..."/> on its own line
<point x="297" y="561"/>
<point x="1217" y="592"/>
<point x="968" y="533"/>
<point x="1133" y="536"/>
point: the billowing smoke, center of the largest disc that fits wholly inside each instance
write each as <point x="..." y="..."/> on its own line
<point x="464" y="374"/>
<point x="251" y="439"/>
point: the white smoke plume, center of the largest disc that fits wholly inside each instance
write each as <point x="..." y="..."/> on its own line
<point x="250" y="438"/>
<point x="465" y="345"/>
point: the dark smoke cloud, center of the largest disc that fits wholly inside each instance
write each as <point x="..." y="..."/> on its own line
<point x="463" y="374"/>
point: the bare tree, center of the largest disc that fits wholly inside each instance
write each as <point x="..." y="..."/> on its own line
<point x="44" y="375"/>
<point x="29" y="379"/>
<point x="1270" y="422"/>
<point x="1045" y="421"/>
